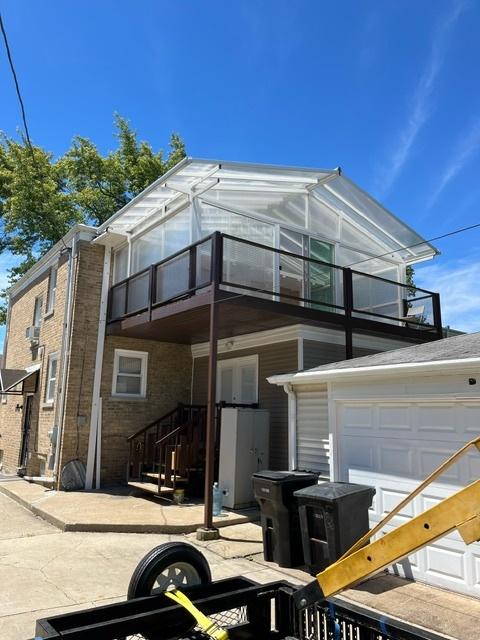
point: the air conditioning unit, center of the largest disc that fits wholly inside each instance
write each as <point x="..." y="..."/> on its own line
<point x="32" y="333"/>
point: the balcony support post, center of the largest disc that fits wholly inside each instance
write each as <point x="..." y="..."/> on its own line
<point x="209" y="532"/>
<point x="437" y="314"/>
<point x="348" y="305"/>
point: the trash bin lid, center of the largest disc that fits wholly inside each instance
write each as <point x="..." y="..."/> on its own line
<point x="332" y="491"/>
<point x="283" y="476"/>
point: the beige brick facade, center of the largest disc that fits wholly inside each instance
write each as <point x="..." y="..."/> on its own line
<point x="21" y="354"/>
<point x="168" y="375"/>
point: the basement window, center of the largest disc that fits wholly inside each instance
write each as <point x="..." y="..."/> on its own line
<point x="130" y="374"/>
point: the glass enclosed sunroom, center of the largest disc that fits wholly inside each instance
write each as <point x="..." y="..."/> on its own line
<point x="308" y="240"/>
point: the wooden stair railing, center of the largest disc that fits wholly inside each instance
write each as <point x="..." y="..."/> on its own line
<point x="168" y="450"/>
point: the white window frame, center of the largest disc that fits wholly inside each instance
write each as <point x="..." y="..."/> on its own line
<point x="49" y="400"/>
<point x="37" y="321"/>
<point x="236" y="363"/>
<point x="143" y="356"/>
<point x="52" y="291"/>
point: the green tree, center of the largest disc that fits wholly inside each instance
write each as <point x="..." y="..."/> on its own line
<point x="41" y="197"/>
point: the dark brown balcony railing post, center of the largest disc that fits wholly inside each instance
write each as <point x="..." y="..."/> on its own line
<point x="192" y="267"/>
<point x="151" y="289"/>
<point x="437" y="314"/>
<point x="209" y="531"/>
<point x="348" y="304"/>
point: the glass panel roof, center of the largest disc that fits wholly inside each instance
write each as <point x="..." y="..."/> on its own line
<point x="195" y="176"/>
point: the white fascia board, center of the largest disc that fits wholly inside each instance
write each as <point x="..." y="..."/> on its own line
<point x="110" y="239"/>
<point x="439" y="367"/>
<point x="294" y="332"/>
<point x="84" y="232"/>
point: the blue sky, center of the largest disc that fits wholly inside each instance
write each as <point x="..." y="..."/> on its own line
<point x="387" y="90"/>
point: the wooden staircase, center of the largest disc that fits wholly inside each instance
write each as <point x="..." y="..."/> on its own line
<point x="169" y="453"/>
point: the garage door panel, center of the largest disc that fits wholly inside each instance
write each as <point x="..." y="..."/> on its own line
<point x="471" y="420"/>
<point x="394" y="417"/>
<point x="394" y="459"/>
<point x="443" y="559"/>
<point x="358" y="417"/>
<point x="360" y="454"/>
<point x="430" y="458"/>
<point x="439" y="419"/>
<point x="390" y="498"/>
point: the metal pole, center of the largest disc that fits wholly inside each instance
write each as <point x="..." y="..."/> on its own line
<point x="209" y="532"/>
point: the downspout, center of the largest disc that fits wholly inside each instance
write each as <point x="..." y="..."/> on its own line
<point x="292" y="425"/>
<point x="65" y="355"/>
<point x="97" y="379"/>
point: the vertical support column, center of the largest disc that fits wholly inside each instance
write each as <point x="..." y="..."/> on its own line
<point x="208" y="532"/>
<point x="437" y="314"/>
<point x="348" y="305"/>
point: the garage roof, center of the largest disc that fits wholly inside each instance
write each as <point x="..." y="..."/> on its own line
<point x="457" y="349"/>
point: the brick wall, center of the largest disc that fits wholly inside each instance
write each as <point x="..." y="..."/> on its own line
<point x="168" y="383"/>
<point x="20" y="355"/>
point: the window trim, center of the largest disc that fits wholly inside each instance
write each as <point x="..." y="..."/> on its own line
<point x="51" y="358"/>
<point x="51" y="299"/>
<point x="40" y="315"/>
<point x="143" y="356"/>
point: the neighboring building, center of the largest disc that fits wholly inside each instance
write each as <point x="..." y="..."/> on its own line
<point x="300" y="265"/>
<point x="388" y="420"/>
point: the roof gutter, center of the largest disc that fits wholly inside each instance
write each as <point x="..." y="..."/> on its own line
<point x="442" y="367"/>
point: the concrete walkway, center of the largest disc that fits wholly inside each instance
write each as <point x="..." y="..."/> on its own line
<point x="118" y="510"/>
<point x="45" y="572"/>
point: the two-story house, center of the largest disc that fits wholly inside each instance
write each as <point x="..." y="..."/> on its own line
<point x="215" y="277"/>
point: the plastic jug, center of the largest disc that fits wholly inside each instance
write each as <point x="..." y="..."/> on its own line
<point x="217" y="499"/>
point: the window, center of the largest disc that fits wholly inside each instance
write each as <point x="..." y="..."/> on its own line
<point x="237" y="380"/>
<point x="130" y="374"/>
<point x="37" y="311"/>
<point x="52" y="371"/>
<point x="52" y="290"/>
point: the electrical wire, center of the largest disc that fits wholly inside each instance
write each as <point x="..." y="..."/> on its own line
<point x="17" y="86"/>
<point x="418" y="244"/>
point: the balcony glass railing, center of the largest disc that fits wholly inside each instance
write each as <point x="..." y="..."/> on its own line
<point x="246" y="267"/>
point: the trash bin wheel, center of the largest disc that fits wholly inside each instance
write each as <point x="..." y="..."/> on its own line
<point x="172" y="563"/>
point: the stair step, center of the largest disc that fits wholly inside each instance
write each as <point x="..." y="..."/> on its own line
<point x="154" y="476"/>
<point x="149" y="487"/>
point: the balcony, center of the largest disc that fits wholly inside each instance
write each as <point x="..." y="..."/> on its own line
<point x="260" y="287"/>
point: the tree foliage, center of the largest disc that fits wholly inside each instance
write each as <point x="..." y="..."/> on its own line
<point x="41" y="197"/>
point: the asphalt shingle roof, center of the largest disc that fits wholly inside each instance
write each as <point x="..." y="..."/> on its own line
<point x="455" y="348"/>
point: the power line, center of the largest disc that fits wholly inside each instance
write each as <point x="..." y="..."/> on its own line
<point x="17" y="86"/>
<point x="418" y="244"/>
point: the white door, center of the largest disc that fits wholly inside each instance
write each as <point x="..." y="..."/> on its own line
<point x="393" y="445"/>
<point x="237" y="380"/>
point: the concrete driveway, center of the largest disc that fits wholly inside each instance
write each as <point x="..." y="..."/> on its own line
<point x="44" y="571"/>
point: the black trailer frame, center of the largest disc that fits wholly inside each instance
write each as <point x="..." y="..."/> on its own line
<point x="249" y="610"/>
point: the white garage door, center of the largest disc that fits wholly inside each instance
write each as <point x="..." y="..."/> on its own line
<point x="393" y="446"/>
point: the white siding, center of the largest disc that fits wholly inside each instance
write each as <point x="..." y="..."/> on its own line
<point x="313" y="445"/>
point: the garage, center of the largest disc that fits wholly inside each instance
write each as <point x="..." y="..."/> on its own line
<point x="392" y="419"/>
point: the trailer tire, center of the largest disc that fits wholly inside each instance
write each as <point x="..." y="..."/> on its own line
<point x="170" y="563"/>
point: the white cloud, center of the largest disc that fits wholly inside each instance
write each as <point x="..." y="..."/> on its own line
<point x="420" y="101"/>
<point x="457" y="282"/>
<point x="467" y="147"/>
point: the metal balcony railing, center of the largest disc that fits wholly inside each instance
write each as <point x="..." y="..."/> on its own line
<point x="251" y="268"/>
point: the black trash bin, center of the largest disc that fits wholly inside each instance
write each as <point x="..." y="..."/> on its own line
<point x="333" y="516"/>
<point x="282" y="541"/>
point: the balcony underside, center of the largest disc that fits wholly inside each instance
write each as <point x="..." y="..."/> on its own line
<point x="186" y="321"/>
